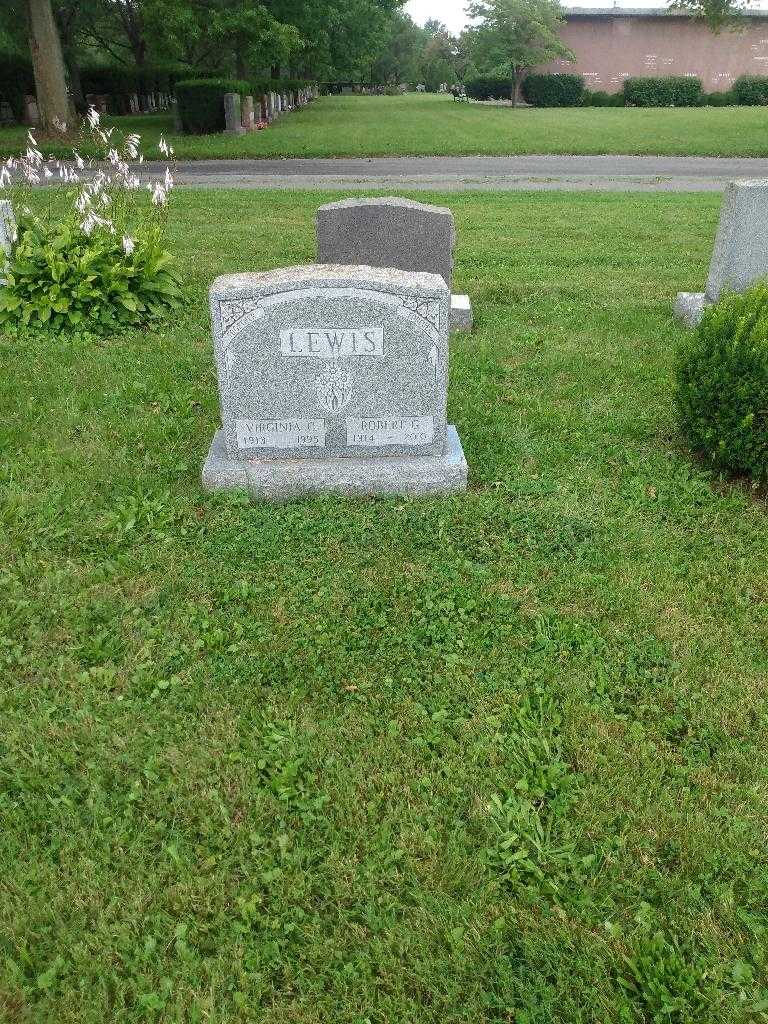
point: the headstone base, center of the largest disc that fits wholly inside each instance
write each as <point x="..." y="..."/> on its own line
<point x="461" y="313"/>
<point x="281" y="480"/>
<point x="239" y="130"/>
<point x="689" y="308"/>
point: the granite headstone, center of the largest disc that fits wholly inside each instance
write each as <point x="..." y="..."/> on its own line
<point x="392" y="232"/>
<point x="232" y="116"/>
<point x="333" y="378"/>
<point x="248" y="114"/>
<point x="740" y="254"/>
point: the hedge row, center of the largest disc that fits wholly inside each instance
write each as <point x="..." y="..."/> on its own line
<point x="568" y="91"/>
<point x="598" y="98"/>
<point x="486" y="87"/>
<point x="553" y="90"/>
<point x="201" y="100"/>
<point x="201" y="103"/>
<point x="668" y="91"/>
<point x="751" y="90"/>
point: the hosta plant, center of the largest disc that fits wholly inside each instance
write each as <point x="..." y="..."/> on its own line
<point x="93" y="257"/>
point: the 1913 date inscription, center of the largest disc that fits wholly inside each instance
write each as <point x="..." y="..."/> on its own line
<point x="291" y="433"/>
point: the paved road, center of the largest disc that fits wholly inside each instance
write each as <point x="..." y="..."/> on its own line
<point x="448" y="173"/>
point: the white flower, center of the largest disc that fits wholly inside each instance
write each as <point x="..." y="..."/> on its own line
<point x="168" y="180"/>
<point x="5" y="177"/>
<point x="128" y="245"/>
<point x="47" y="172"/>
<point x="159" y="196"/>
<point x="132" y="145"/>
<point x="93" y="220"/>
<point x="93" y="119"/>
<point x="163" y="146"/>
<point x="79" y="163"/>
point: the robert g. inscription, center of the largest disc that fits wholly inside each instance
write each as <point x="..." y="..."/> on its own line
<point x="332" y="344"/>
<point x="375" y="431"/>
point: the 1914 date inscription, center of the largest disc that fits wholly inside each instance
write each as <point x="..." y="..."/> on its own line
<point x="375" y="431"/>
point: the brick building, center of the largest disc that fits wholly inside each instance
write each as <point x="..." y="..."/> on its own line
<point x="612" y="44"/>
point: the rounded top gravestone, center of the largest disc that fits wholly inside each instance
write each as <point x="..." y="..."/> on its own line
<point x="387" y="232"/>
<point x="333" y="378"/>
<point x="332" y="361"/>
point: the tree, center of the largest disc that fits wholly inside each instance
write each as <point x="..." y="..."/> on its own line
<point x="718" y="14"/>
<point x="438" y="58"/>
<point x="238" y="34"/>
<point x="514" y="35"/>
<point x="48" y="65"/>
<point x="398" y="59"/>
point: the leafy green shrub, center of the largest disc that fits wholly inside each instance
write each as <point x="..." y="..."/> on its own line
<point x="553" y="90"/>
<point x="719" y="99"/>
<point x="485" y="87"/>
<point x="722" y="384"/>
<point x="88" y="257"/>
<point x="669" y="91"/>
<point x="62" y="277"/>
<point x="751" y="90"/>
<point x="599" y="98"/>
<point x="201" y="102"/>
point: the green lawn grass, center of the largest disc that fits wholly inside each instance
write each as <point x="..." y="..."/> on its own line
<point x="498" y="757"/>
<point x="432" y="125"/>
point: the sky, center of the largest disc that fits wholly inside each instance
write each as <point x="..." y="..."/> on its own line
<point x="451" y="12"/>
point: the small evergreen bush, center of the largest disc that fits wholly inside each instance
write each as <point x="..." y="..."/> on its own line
<point x="719" y="99"/>
<point x="751" y="90"/>
<point x="599" y="98"/>
<point x="201" y="102"/>
<point x="722" y="384"/>
<point x="669" y="91"/>
<point x="553" y="90"/>
<point x="485" y="87"/>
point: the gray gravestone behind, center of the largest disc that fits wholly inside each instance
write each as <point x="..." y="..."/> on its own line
<point x="247" y="114"/>
<point x="232" y="117"/>
<point x="387" y="232"/>
<point x="333" y="379"/>
<point x="740" y="253"/>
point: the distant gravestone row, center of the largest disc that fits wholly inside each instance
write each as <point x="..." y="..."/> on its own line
<point x="740" y="254"/>
<point x="246" y="114"/>
<point x="333" y="376"/>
